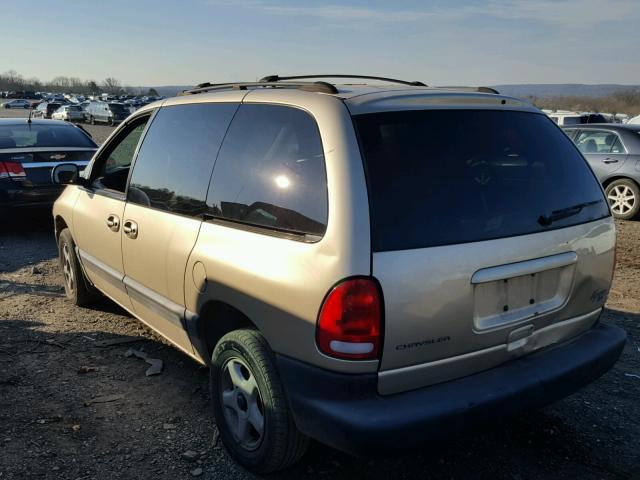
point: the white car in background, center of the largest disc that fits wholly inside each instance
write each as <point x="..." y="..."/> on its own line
<point x="566" y="117"/>
<point x="635" y="120"/>
<point x="70" y="113"/>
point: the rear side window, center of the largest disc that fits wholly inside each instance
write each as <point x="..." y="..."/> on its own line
<point x="175" y="160"/>
<point x="598" y="141"/>
<point x="439" y="177"/>
<point x="270" y="171"/>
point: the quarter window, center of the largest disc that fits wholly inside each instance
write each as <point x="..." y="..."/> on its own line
<point x="176" y="157"/>
<point x="271" y="172"/>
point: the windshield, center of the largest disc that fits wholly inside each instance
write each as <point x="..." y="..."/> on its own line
<point x="439" y="177"/>
<point x="40" y="135"/>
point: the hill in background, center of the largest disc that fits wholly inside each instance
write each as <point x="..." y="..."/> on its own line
<point x="542" y="90"/>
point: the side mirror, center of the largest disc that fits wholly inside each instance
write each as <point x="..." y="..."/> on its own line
<point x="65" y="174"/>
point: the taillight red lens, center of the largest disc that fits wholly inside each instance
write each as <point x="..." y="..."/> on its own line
<point x="11" y="169"/>
<point x="350" y="320"/>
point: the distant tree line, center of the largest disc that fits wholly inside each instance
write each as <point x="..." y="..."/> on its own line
<point x="627" y="101"/>
<point x="13" y="81"/>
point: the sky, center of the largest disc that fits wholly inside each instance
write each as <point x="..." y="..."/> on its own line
<point x="185" y="42"/>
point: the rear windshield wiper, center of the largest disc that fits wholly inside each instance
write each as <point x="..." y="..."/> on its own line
<point x="546" y="220"/>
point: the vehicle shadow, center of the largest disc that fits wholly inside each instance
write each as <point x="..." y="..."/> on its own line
<point x="26" y="238"/>
<point x="592" y="434"/>
<point x="578" y="437"/>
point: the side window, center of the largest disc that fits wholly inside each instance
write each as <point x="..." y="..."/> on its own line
<point x="595" y="141"/>
<point x="176" y="157"/>
<point x="114" y="163"/>
<point x="271" y="172"/>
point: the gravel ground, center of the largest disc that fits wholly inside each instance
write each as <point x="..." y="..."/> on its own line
<point x="73" y="408"/>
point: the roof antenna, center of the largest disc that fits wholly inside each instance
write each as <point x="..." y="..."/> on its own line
<point x="29" y="119"/>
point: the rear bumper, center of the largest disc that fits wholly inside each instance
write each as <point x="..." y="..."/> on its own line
<point x="346" y="411"/>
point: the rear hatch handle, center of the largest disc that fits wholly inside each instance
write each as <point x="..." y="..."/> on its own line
<point x="527" y="267"/>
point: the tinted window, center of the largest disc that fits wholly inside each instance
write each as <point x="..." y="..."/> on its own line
<point x="40" y="135"/>
<point x="573" y="120"/>
<point x="118" y="107"/>
<point x="456" y="176"/>
<point x="174" y="163"/>
<point x="270" y="171"/>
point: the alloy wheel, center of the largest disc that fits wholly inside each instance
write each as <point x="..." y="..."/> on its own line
<point x="622" y="199"/>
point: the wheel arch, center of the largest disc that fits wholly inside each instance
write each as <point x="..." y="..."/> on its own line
<point x="59" y="225"/>
<point x="214" y="320"/>
<point x="614" y="178"/>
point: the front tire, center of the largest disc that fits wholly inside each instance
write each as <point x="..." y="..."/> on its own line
<point x="624" y="198"/>
<point x="249" y="404"/>
<point x="76" y="286"/>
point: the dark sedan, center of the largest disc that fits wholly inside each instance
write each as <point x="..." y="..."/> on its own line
<point x="29" y="151"/>
<point x="613" y="151"/>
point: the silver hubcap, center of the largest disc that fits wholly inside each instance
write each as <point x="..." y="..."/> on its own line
<point x="621" y="199"/>
<point x="242" y="404"/>
<point x="67" y="269"/>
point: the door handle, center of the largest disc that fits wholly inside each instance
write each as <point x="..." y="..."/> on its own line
<point x="130" y="228"/>
<point x="610" y="160"/>
<point x="113" y="222"/>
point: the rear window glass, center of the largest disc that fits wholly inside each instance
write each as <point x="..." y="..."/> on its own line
<point x="439" y="177"/>
<point x="39" y="135"/>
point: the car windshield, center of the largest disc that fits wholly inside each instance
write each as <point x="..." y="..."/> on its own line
<point x="439" y="177"/>
<point x="41" y="135"/>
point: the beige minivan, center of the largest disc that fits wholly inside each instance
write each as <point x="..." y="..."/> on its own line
<point x="366" y="265"/>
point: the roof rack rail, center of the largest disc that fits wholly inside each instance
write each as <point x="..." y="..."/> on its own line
<point x="277" y="78"/>
<point x="473" y="89"/>
<point x="321" y="87"/>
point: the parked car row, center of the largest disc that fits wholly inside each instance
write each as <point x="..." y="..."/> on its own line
<point x="92" y="112"/>
<point x="567" y="117"/>
<point x="365" y="266"/>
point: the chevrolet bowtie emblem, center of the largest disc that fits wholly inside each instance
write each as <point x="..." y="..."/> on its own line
<point x="58" y="156"/>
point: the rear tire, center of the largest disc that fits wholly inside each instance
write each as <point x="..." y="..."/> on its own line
<point x="76" y="286"/>
<point x="624" y="198"/>
<point x="249" y="404"/>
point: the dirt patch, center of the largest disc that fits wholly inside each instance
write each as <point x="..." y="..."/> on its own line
<point x="73" y="406"/>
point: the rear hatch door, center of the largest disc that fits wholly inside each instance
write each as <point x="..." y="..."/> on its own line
<point x="489" y="234"/>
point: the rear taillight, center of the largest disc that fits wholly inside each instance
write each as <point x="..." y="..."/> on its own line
<point x="350" y="320"/>
<point x="12" y="170"/>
